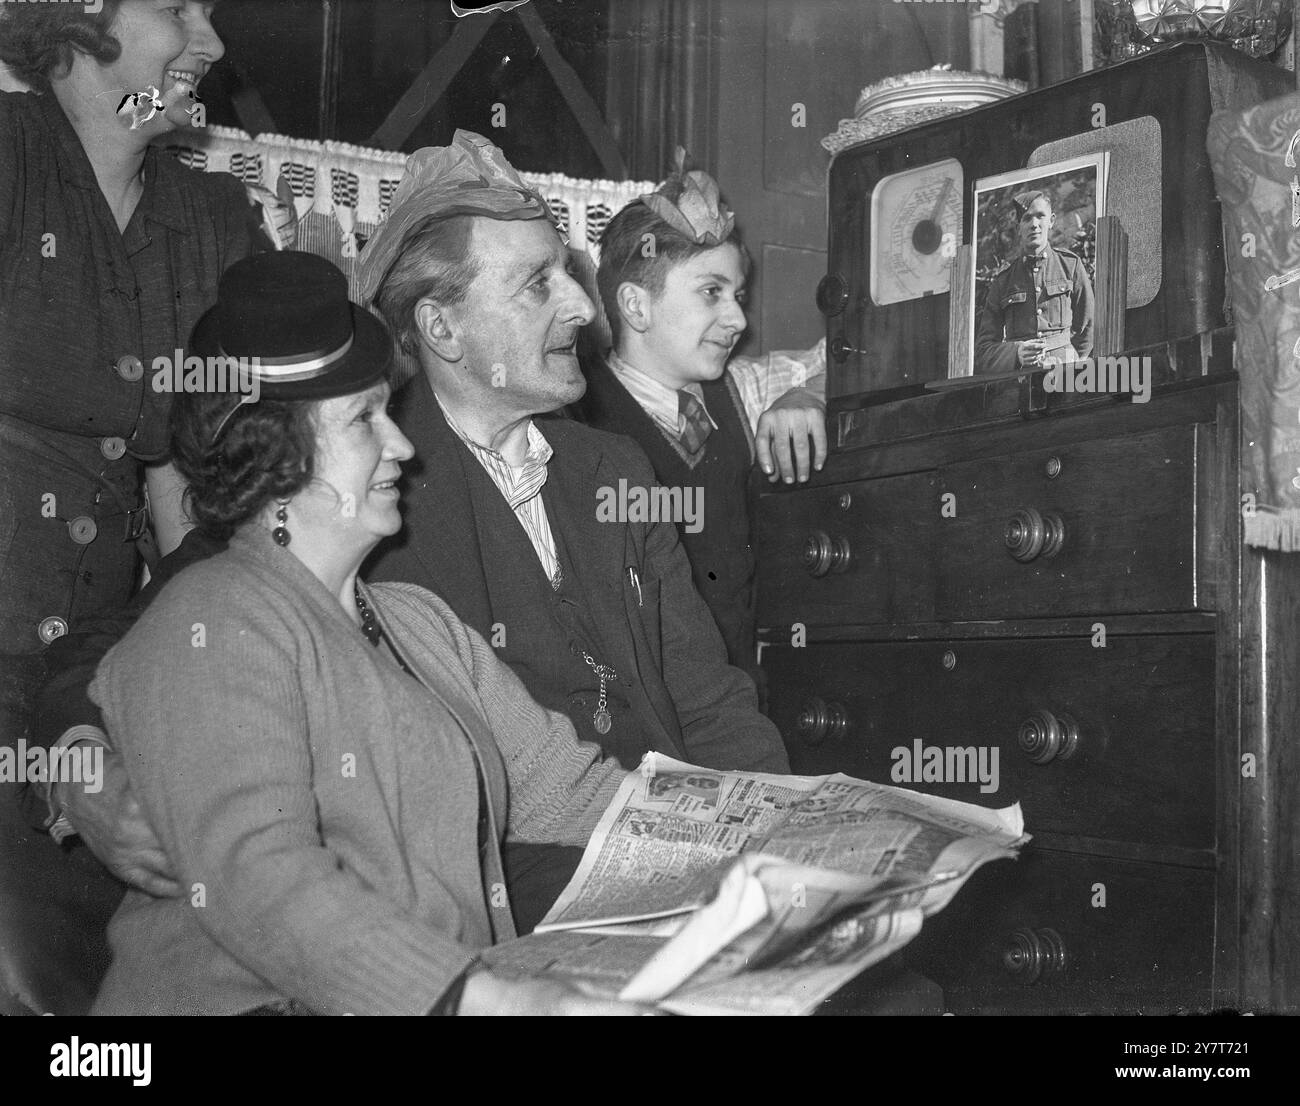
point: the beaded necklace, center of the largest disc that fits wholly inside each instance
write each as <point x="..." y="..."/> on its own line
<point x="373" y="631"/>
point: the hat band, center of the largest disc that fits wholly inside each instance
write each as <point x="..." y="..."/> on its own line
<point x="297" y="367"/>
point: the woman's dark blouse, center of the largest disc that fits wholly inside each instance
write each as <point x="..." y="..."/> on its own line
<point x="84" y="310"/>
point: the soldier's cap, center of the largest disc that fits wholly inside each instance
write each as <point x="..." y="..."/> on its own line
<point x="469" y="177"/>
<point x="1022" y="200"/>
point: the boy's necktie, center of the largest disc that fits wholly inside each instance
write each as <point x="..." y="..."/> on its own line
<point x="697" y="428"/>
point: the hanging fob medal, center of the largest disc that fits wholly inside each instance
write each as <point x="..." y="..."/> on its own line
<point x="602" y="719"/>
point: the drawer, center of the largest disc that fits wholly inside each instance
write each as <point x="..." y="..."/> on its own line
<point x="1113" y="531"/>
<point x="1032" y="935"/>
<point x="1114" y="742"/>
<point x="848" y="553"/>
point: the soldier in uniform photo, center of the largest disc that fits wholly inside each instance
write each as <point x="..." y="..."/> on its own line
<point x="1039" y="305"/>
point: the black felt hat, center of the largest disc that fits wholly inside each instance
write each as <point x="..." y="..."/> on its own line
<point x="290" y="311"/>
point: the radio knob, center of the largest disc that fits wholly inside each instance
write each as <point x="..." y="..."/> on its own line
<point x="832" y="295"/>
<point x="840" y="349"/>
<point x="819" y="719"/>
<point x="1031" y="533"/>
<point x="1030" y="954"/>
<point x="1043" y="737"/>
<point x="823" y="553"/>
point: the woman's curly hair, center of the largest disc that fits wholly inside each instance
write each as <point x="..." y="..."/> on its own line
<point x="37" y="41"/>
<point x="262" y="452"/>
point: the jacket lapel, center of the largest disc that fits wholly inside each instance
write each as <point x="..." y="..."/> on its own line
<point x="440" y="531"/>
<point x="601" y="553"/>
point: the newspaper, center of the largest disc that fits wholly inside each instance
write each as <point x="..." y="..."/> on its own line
<point x="737" y="892"/>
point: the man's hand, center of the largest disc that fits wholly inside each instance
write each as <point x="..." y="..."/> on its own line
<point x="783" y="433"/>
<point x="113" y="826"/>
<point x="487" y="994"/>
<point x="1030" y="354"/>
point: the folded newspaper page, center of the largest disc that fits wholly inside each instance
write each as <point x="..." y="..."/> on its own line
<point x="711" y="892"/>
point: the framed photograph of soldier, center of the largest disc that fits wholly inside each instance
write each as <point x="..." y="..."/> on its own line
<point x="1030" y="270"/>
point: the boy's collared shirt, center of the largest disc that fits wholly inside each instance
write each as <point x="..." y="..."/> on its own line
<point x="522" y="487"/>
<point x="656" y="398"/>
<point x="760" y="381"/>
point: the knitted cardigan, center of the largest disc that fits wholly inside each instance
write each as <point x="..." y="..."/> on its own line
<point x="320" y="805"/>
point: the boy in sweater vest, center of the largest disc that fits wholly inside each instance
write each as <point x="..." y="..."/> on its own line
<point x="672" y="280"/>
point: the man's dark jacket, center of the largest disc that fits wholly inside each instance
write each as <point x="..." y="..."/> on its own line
<point x="685" y="696"/>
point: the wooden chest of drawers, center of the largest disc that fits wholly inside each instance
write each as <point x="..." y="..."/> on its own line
<point x="1066" y="597"/>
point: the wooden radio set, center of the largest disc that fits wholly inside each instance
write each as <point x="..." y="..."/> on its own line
<point x="899" y="206"/>
<point x="984" y="564"/>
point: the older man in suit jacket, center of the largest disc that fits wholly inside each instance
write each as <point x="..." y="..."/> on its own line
<point x="621" y="592"/>
<point x="598" y="616"/>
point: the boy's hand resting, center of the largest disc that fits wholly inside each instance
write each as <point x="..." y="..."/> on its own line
<point x="784" y="430"/>
<point x="113" y="826"/>
<point x="486" y="993"/>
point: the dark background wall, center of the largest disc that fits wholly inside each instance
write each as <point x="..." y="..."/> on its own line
<point x="779" y="54"/>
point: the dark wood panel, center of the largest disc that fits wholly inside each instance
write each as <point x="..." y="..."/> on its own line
<point x="889" y="529"/>
<point x="986" y="421"/>
<point x="871" y="419"/>
<point x="1234" y="681"/>
<point x="1148" y="950"/>
<point x="1198" y="622"/>
<point x="1128" y="510"/>
<point x="1267" y="795"/>
<point x="1143" y="709"/>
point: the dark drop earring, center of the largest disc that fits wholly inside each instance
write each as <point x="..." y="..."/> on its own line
<point x="280" y="535"/>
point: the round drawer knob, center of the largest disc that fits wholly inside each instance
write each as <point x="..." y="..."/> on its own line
<point x="1031" y="534"/>
<point x="819" y="719"/>
<point x="51" y="628"/>
<point x="1029" y="955"/>
<point x="1043" y="737"/>
<point x="83" y="529"/>
<point x="112" y="448"/>
<point x="823" y="553"/>
<point x="129" y="367"/>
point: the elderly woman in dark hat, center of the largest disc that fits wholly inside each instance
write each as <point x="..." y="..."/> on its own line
<point x="330" y="766"/>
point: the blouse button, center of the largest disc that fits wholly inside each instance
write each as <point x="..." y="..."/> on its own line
<point x="83" y="529"/>
<point x="130" y="368"/>
<point x="51" y="628"/>
<point x="112" y="448"/>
